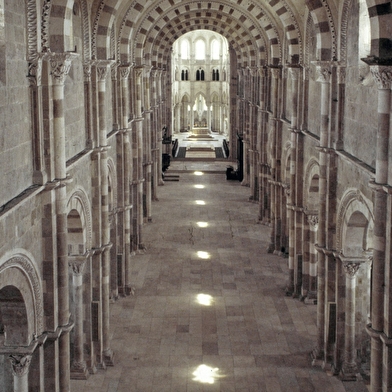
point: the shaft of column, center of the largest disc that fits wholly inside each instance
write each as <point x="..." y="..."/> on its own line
<point x="323" y="73"/>
<point x="102" y="69"/>
<point x="383" y="78"/>
<point x="350" y="365"/>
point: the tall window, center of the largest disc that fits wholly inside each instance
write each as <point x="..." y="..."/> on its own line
<point x="215" y="75"/>
<point x="184" y="74"/>
<point x="215" y="50"/>
<point x="200" y="74"/>
<point x="185" y="50"/>
<point x="200" y="50"/>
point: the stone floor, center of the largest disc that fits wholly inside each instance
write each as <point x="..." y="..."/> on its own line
<point x="209" y="312"/>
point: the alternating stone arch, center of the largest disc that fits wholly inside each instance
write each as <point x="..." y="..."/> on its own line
<point x="326" y="34"/>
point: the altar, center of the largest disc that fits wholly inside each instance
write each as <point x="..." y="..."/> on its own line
<point x="200" y="131"/>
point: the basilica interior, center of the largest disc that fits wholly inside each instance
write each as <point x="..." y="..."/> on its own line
<point x="281" y="110"/>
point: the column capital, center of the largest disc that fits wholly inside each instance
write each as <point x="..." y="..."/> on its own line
<point x="77" y="263"/>
<point x="35" y="72"/>
<point x="382" y="75"/>
<point x="341" y="73"/>
<point x="124" y="69"/>
<point x="60" y="64"/>
<point x="20" y="364"/>
<point x="103" y="68"/>
<point x="323" y="71"/>
<point x="350" y="268"/>
<point x="87" y="72"/>
<point x="276" y="72"/>
<point x="294" y="71"/>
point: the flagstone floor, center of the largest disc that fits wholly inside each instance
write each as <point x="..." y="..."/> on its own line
<point x="209" y="312"/>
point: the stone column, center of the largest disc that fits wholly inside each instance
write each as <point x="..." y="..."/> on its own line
<point x="341" y="79"/>
<point x="35" y="79"/>
<point x="138" y="179"/>
<point x="292" y="194"/>
<point x="60" y="65"/>
<point x="78" y="368"/>
<point x="350" y="370"/>
<point x="127" y="162"/>
<point x="20" y="370"/>
<point x="275" y="184"/>
<point x="160" y="125"/>
<point x="154" y="135"/>
<point x="102" y="73"/>
<point x="88" y="112"/>
<point x="147" y="160"/>
<point x="313" y="227"/>
<point x="323" y="76"/>
<point x="379" y="376"/>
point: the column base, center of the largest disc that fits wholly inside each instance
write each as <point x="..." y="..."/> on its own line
<point x="79" y="371"/>
<point x="349" y="373"/>
<point x="317" y="357"/>
<point x="108" y="357"/>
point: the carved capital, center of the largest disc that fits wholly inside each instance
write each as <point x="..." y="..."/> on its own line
<point x="323" y="71"/>
<point x="60" y="64"/>
<point x="103" y="69"/>
<point x="350" y="268"/>
<point x="20" y="364"/>
<point x="35" y="72"/>
<point x="276" y="72"/>
<point x="77" y="263"/>
<point x="294" y="72"/>
<point x="313" y="220"/>
<point x="87" y="72"/>
<point x="341" y="72"/>
<point x="382" y="75"/>
<point x="124" y="71"/>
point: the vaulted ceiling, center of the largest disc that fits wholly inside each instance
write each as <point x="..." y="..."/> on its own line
<point x="260" y="32"/>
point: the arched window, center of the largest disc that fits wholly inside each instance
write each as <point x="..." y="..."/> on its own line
<point x="215" y="50"/>
<point x="200" y="50"/>
<point x="184" y="74"/>
<point x="185" y="49"/>
<point x="215" y="75"/>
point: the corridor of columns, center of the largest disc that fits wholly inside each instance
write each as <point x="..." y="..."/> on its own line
<point x="208" y="310"/>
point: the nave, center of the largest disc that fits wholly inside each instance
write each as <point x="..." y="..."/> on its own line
<point x="209" y="311"/>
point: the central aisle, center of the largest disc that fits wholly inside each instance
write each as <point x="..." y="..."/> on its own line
<point x="209" y="311"/>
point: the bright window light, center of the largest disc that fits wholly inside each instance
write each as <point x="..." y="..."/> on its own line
<point x="204" y="299"/>
<point x="198" y="186"/>
<point x="200" y="202"/>
<point x="202" y="224"/>
<point x="206" y="374"/>
<point x="203" y="255"/>
<point x="198" y="173"/>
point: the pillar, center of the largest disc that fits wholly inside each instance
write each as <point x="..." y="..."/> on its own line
<point x="78" y="368"/>
<point x="60" y="65"/>
<point x="323" y="76"/>
<point x="380" y="379"/>
<point x="350" y="370"/>
<point x="102" y="73"/>
<point x="127" y="167"/>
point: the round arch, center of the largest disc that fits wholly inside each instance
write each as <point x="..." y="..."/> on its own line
<point x="20" y="279"/>
<point x="355" y="222"/>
